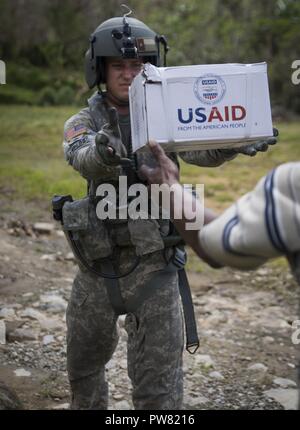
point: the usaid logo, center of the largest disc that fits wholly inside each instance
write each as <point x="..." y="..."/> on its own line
<point x="209" y="89"/>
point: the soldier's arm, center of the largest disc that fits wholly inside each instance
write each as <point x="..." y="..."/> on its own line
<point x="216" y="157"/>
<point x="80" y="148"/>
<point x="207" y="158"/>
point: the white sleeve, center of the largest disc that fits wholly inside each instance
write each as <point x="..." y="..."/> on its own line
<point x="263" y="224"/>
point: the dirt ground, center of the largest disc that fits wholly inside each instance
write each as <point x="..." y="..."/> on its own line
<point x="246" y="359"/>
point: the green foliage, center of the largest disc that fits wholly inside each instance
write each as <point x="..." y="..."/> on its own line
<point x="43" y="42"/>
<point x="12" y="94"/>
<point x="28" y="84"/>
<point x="48" y="96"/>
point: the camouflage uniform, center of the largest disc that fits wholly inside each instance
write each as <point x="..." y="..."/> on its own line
<point x="155" y="326"/>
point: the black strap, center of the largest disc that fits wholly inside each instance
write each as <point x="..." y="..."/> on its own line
<point x="113" y="289"/>
<point x="176" y="264"/>
<point x="192" y="340"/>
<point x="294" y="260"/>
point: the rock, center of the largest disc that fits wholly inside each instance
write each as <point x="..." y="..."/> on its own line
<point x="118" y="396"/>
<point x="49" y="338"/>
<point x="9" y="399"/>
<point x="48" y="324"/>
<point x="2" y="333"/>
<point x="54" y="302"/>
<point x="192" y="402"/>
<point x="7" y="313"/>
<point x="288" y="398"/>
<point x="270" y="322"/>
<point x="6" y="259"/>
<point x="123" y="364"/>
<point x="64" y="406"/>
<point x="59" y="233"/>
<point x="214" y="319"/>
<point x="284" y="383"/>
<point x="121" y="321"/>
<point x="263" y="271"/>
<point x="45" y="322"/>
<point x="111" y="364"/>
<point x="22" y="373"/>
<point x="48" y="257"/>
<point x="292" y="365"/>
<point x="16" y="306"/>
<point x="204" y="360"/>
<point x="43" y="227"/>
<point x="68" y="280"/>
<point x="123" y="405"/>
<point x="70" y="256"/>
<point x="6" y="247"/>
<point x="11" y="326"/>
<point x="268" y="339"/>
<point x="258" y="367"/>
<point x="22" y="334"/>
<point x="30" y="275"/>
<point x="216" y="375"/>
<point x="32" y="314"/>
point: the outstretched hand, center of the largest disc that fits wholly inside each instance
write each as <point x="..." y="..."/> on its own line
<point x="260" y="146"/>
<point x="166" y="172"/>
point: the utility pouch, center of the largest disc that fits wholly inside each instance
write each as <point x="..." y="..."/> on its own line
<point x="145" y="236"/>
<point x="89" y="232"/>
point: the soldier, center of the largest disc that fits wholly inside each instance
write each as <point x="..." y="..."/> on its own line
<point x="124" y="266"/>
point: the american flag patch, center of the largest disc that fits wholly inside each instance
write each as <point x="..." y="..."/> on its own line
<point x="75" y="131"/>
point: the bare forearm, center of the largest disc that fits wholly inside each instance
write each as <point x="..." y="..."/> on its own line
<point x="191" y="214"/>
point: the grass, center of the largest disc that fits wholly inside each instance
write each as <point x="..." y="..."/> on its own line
<point x="31" y="154"/>
<point x="32" y="165"/>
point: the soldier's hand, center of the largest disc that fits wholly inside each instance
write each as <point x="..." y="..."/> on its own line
<point x="108" y="140"/>
<point x="260" y="146"/>
<point x="166" y="171"/>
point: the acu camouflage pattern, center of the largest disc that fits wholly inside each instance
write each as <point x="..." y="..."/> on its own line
<point x="155" y="338"/>
<point x="88" y="231"/>
<point x="155" y="328"/>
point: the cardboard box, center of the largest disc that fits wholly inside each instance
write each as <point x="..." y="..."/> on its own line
<point x="200" y="107"/>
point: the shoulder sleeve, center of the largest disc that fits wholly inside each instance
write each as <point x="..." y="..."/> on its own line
<point x="80" y="149"/>
<point x="263" y="224"/>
